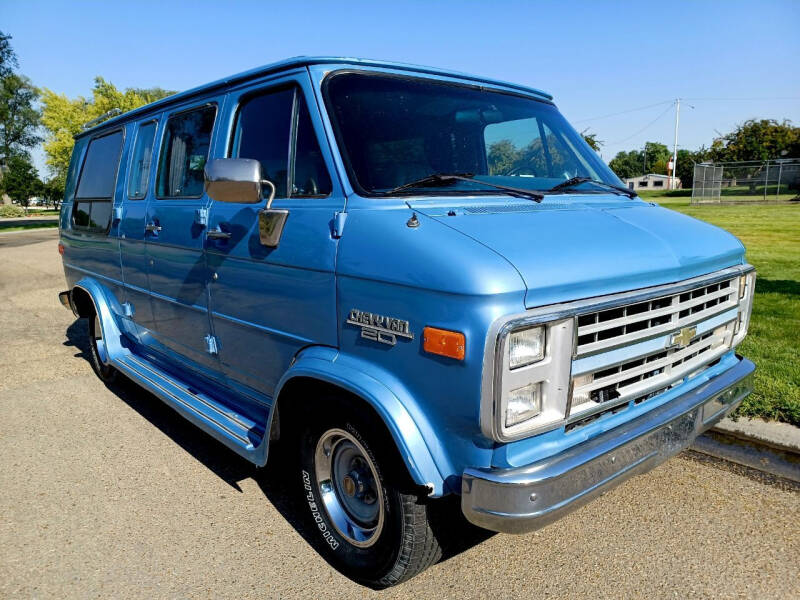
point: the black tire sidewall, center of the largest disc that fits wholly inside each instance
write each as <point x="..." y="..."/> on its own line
<point x="366" y="564"/>
<point x="106" y="373"/>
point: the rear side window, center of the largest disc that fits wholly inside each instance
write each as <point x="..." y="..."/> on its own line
<point x="95" y="191"/>
<point x="184" y="154"/>
<point x="275" y="128"/>
<point x="139" y="174"/>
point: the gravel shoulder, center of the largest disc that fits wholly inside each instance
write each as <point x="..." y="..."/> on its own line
<point x="106" y="492"/>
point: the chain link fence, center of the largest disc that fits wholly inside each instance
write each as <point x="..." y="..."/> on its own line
<point x="747" y="181"/>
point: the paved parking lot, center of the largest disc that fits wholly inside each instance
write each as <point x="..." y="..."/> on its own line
<point x="108" y="493"/>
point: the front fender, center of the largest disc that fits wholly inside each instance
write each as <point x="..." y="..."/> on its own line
<point x="352" y="374"/>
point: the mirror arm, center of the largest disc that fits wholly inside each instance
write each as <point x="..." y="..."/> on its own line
<point x="272" y="191"/>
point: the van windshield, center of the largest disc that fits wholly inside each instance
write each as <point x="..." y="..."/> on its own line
<point x="395" y="130"/>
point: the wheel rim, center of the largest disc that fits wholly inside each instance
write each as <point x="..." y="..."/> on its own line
<point x="349" y="487"/>
<point x="98" y="341"/>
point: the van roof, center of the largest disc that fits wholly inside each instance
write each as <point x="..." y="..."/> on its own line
<point x="303" y="61"/>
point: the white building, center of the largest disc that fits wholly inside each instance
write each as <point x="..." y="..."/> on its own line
<point x="651" y="181"/>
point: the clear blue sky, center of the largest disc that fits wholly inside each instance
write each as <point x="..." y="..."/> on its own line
<point x="732" y="60"/>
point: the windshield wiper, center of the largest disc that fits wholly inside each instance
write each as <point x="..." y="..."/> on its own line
<point x="573" y="181"/>
<point x="448" y="178"/>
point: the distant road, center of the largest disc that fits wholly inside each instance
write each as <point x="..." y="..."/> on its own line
<point x="12" y="239"/>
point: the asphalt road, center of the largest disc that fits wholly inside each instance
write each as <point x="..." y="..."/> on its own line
<point x="108" y="493"/>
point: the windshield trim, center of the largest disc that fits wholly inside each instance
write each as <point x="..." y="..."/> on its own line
<point x="337" y="133"/>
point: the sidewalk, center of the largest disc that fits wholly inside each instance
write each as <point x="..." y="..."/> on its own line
<point x="763" y="445"/>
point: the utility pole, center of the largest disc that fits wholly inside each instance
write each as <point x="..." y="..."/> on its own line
<point x="644" y="162"/>
<point x="675" y="147"/>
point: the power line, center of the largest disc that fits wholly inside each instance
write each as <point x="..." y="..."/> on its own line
<point x="793" y="98"/>
<point x="671" y="103"/>
<point x="624" y="112"/>
<point x="630" y="110"/>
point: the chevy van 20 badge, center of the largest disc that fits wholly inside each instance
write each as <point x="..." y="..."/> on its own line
<point x="421" y="283"/>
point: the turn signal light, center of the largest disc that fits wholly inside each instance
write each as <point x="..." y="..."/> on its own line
<point x="444" y="343"/>
<point x="61" y="248"/>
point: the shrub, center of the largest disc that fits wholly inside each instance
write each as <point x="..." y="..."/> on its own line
<point x="9" y="210"/>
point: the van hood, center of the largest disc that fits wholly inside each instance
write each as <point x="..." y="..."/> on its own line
<point x="570" y="248"/>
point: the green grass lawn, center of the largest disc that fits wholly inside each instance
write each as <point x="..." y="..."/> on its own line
<point x="39" y="212"/>
<point x="23" y="226"/>
<point x="771" y="234"/>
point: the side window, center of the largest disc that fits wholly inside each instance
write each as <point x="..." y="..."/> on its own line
<point x="184" y="154"/>
<point x="263" y="131"/>
<point x="139" y="173"/>
<point x="310" y="176"/>
<point x="95" y="191"/>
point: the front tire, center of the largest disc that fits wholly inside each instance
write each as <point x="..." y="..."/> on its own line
<point x="372" y="526"/>
<point x="98" y="355"/>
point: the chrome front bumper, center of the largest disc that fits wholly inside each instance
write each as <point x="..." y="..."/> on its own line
<point x="526" y="498"/>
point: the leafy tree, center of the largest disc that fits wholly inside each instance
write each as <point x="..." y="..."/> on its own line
<point x="53" y="191"/>
<point x="627" y="164"/>
<point x="502" y="156"/>
<point x="591" y="139"/>
<point x="633" y="163"/>
<point x="63" y="117"/>
<point x="20" y="179"/>
<point x="686" y="162"/>
<point x="19" y="118"/>
<point x="8" y="58"/>
<point x="762" y="139"/>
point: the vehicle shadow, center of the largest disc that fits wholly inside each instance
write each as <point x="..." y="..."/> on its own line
<point x="779" y="286"/>
<point x="453" y="532"/>
<point x="278" y="479"/>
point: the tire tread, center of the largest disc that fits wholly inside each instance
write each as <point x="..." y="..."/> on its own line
<point x="419" y="550"/>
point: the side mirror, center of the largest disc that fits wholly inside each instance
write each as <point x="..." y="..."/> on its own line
<point x="239" y="180"/>
<point x="234" y="180"/>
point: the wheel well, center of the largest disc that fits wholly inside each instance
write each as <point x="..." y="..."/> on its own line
<point x="82" y="302"/>
<point x="296" y="400"/>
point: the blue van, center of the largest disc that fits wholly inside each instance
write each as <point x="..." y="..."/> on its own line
<point x="424" y="282"/>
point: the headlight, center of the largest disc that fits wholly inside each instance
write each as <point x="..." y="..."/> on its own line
<point x="531" y="379"/>
<point x="526" y="347"/>
<point x="523" y="403"/>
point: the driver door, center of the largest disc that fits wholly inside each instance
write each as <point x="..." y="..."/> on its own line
<point x="269" y="303"/>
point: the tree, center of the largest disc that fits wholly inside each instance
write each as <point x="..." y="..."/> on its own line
<point x="634" y="163"/>
<point x="591" y="139"/>
<point x="627" y="164"/>
<point x="63" y="117"/>
<point x="502" y="156"/>
<point x="19" y="118"/>
<point x="8" y="58"/>
<point x="20" y="179"/>
<point x="686" y="161"/>
<point x="763" y="139"/>
<point x="53" y="191"/>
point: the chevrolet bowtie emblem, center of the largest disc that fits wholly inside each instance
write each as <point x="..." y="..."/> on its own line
<point x="683" y="337"/>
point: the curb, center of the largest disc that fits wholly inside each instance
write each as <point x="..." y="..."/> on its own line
<point x="769" y="447"/>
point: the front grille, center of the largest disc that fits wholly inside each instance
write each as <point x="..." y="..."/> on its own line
<point x="614" y="387"/>
<point x="621" y="326"/>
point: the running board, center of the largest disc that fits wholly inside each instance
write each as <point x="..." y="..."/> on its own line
<point x="240" y="433"/>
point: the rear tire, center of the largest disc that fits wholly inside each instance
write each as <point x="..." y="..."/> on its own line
<point x="98" y="355"/>
<point x="372" y="525"/>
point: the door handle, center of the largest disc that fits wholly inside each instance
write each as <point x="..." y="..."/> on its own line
<point x="152" y="228"/>
<point x="218" y="234"/>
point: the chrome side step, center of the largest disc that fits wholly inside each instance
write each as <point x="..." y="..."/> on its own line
<point x="239" y="432"/>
